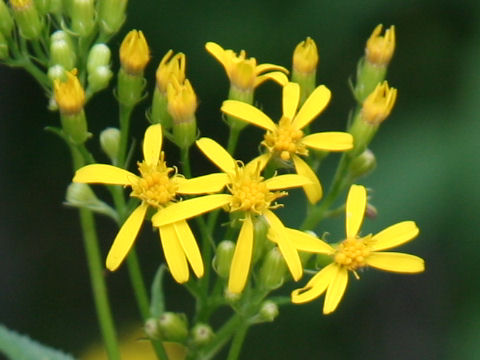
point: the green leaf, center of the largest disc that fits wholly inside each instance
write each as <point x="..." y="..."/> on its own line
<point x="157" y="303"/>
<point x="21" y="347"/>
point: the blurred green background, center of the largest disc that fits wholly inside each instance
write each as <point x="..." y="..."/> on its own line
<point x="428" y="171"/>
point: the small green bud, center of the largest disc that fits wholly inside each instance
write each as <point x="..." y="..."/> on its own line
<point x="202" y="334"/>
<point x="152" y="328"/>
<point x="173" y="327"/>
<point x="268" y="311"/>
<point x="6" y="20"/>
<point x="55" y="7"/>
<point x="261" y="245"/>
<point x="273" y="270"/>
<point x="362" y="164"/>
<point x="99" y="55"/>
<point x="27" y="18"/>
<point x="83" y="17"/>
<point x="61" y="50"/>
<point x="3" y="47"/>
<point x="57" y="72"/>
<point x="111" y="15"/>
<point x="99" y="79"/>
<point x="231" y="297"/>
<point x="110" y="141"/>
<point x="42" y="6"/>
<point x="81" y="196"/>
<point x="223" y="258"/>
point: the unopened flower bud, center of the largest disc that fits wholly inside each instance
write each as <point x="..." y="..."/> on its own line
<point x="202" y="334"/>
<point x="99" y="55"/>
<point x="42" y="6"/>
<point x="304" y="69"/>
<point x="27" y="18"/>
<point x="170" y="67"/>
<point x="273" y="270"/>
<point x="152" y="329"/>
<point x="61" y="50"/>
<point x="57" y="72"/>
<point x="81" y="196"/>
<point x="173" y="327"/>
<point x="268" y="311"/>
<point x="83" y="16"/>
<point x="55" y="7"/>
<point x="231" y="297"/>
<point x="111" y="15"/>
<point x="6" y="21"/>
<point x="99" y="78"/>
<point x="362" y="164"/>
<point x="134" y="53"/>
<point x="110" y="141"/>
<point x="380" y="49"/>
<point x="223" y="258"/>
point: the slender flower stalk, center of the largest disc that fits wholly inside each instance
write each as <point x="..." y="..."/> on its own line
<point x="354" y="253"/>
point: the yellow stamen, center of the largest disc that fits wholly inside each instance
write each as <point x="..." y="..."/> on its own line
<point x="285" y="140"/>
<point x="353" y="252"/>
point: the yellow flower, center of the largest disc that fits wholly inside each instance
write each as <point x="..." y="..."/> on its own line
<point x="182" y="101"/>
<point x="252" y="196"/>
<point x="169" y="68"/>
<point x="286" y="139"/>
<point x="379" y="49"/>
<point x="69" y="94"/>
<point x="354" y="253"/>
<point x="305" y="57"/>
<point x="156" y="187"/>
<point x="134" y="53"/>
<point x="379" y="104"/>
<point x="244" y="73"/>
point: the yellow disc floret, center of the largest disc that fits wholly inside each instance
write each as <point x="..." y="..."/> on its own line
<point x="353" y="252"/>
<point x="285" y="140"/>
<point x="157" y="186"/>
<point x="250" y="193"/>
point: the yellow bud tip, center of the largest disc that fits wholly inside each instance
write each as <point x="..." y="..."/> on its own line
<point x="69" y="94"/>
<point x="243" y="72"/>
<point x="305" y="57"/>
<point x="379" y="104"/>
<point x="380" y="49"/>
<point x="169" y="68"/>
<point x="182" y="101"/>
<point x="20" y="5"/>
<point x="134" y="53"/>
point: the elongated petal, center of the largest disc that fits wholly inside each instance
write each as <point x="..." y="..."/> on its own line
<point x="278" y="77"/>
<point x="248" y="113"/>
<point x="103" y="174"/>
<point x="396" y="262"/>
<point x="260" y="162"/>
<point x="174" y="255"/>
<point x="269" y="67"/>
<point x="203" y="184"/>
<point x="242" y="258"/>
<point x="152" y="144"/>
<point x="190" y="247"/>
<point x="217" y="52"/>
<point x="278" y="235"/>
<point x="217" y="154"/>
<point x="314" y="189"/>
<point x="329" y="141"/>
<point x="126" y="237"/>
<point x="287" y="181"/>
<point x="306" y="242"/>
<point x="335" y="290"/>
<point x="313" y="106"/>
<point x="355" y="210"/>
<point x="189" y="208"/>
<point x="290" y="99"/>
<point x="395" y="235"/>
<point x="316" y="286"/>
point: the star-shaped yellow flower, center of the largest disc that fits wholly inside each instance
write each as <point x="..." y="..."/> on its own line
<point x="250" y="194"/>
<point x="156" y="187"/>
<point x="286" y="139"/>
<point x="354" y="253"/>
<point x="243" y="72"/>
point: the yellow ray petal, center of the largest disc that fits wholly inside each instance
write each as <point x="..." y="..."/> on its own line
<point x="313" y="106"/>
<point x="217" y="154"/>
<point x="278" y="77"/>
<point x="306" y="242"/>
<point x="290" y="99"/>
<point x="314" y="190"/>
<point x="203" y="184"/>
<point x="217" y="52"/>
<point x="260" y="162"/>
<point x="316" y="286"/>
<point x="395" y="235"/>
<point x="277" y="234"/>
<point x="189" y="208"/>
<point x="126" y="237"/>
<point x="396" y="262"/>
<point x="189" y="246"/>
<point x="104" y="174"/>
<point x="248" y="113"/>
<point x="242" y="258"/>
<point x="287" y="181"/>
<point x="152" y="144"/>
<point x="335" y="290"/>
<point x="329" y="141"/>
<point x="269" y="67"/>
<point x="355" y="209"/>
<point x="174" y="255"/>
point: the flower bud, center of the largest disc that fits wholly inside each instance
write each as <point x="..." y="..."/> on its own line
<point x="99" y="55"/>
<point x="152" y="329"/>
<point x="304" y="69"/>
<point x="202" y="334"/>
<point x="81" y="196"/>
<point x="268" y="311"/>
<point x="57" y="72"/>
<point x="380" y="49"/>
<point x="173" y="327"/>
<point x="109" y="142"/>
<point x="134" y="53"/>
<point x="42" y="6"/>
<point x="61" y="50"/>
<point x="111" y="15"/>
<point x="83" y="16"/>
<point x="99" y="79"/>
<point x="55" y="7"/>
<point x="362" y="164"/>
<point x="223" y="258"/>
<point x="6" y="21"/>
<point x="169" y="68"/>
<point x="3" y="47"/>
<point x="273" y="270"/>
<point x="27" y="18"/>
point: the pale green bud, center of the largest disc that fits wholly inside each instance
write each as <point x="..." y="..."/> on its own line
<point x="57" y="72"/>
<point x="223" y="258"/>
<point x="99" y="79"/>
<point x="99" y="55"/>
<point x="202" y="334"/>
<point x="42" y="6"/>
<point x="173" y="327"/>
<point x="81" y="196"/>
<point x="362" y="164"/>
<point x="110" y="141"/>
<point x="268" y="311"/>
<point x="62" y="51"/>
<point x="6" y="20"/>
<point x="27" y="18"/>
<point x="152" y="328"/>
<point x="111" y="15"/>
<point x="273" y="270"/>
<point x="55" y="7"/>
<point x="83" y="16"/>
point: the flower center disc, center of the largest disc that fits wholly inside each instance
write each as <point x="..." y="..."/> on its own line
<point x="285" y="140"/>
<point x="352" y="253"/>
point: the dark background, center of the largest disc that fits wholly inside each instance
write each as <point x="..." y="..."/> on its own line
<point x="428" y="171"/>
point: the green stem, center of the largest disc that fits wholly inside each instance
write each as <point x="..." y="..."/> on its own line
<point x="125" y="113"/>
<point x="233" y="139"/>
<point x="237" y="341"/>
